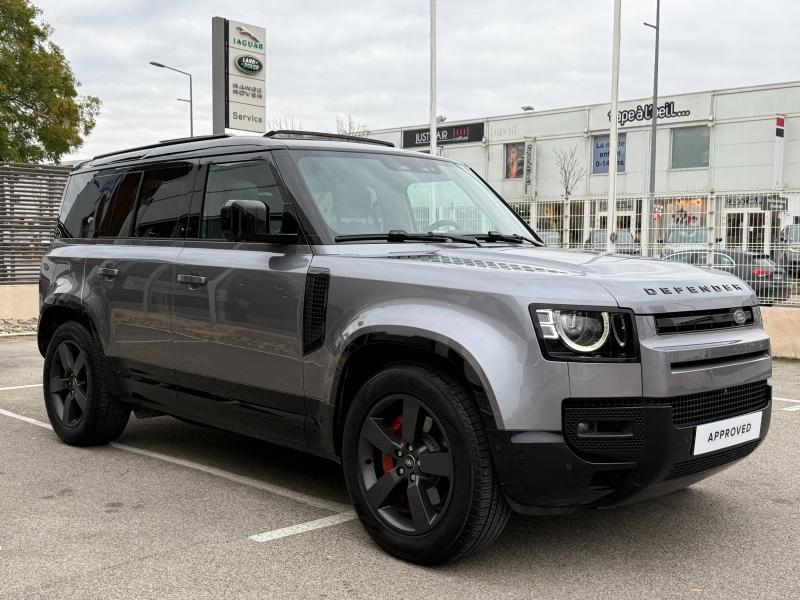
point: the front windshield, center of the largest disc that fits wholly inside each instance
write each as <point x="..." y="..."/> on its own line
<point x="688" y="235"/>
<point x="372" y="193"/>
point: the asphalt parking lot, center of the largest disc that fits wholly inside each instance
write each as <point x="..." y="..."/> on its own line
<point x="171" y="509"/>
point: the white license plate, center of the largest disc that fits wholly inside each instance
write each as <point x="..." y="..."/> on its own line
<point x="728" y="432"/>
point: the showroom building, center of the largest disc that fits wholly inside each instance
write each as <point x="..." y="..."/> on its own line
<point x="727" y="164"/>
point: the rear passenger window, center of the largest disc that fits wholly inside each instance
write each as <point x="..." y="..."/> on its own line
<point x="87" y="195"/>
<point x="116" y="217"/>
<point x="252" y="180"/>
<point x="163" y="202"/>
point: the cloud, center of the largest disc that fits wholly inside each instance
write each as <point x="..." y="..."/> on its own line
<point x="370" y="59"/>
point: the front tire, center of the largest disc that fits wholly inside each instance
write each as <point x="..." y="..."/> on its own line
<point x="418" y="466"/>
<point x="79" y="405"/>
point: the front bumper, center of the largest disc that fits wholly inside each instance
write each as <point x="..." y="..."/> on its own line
<point x="546" y="472"/>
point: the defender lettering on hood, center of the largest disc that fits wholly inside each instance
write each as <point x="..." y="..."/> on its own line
<point x="694" y="289"/>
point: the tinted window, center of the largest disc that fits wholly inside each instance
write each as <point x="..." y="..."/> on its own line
<point x="163" y="202"/>
<point x="114" y="220"/>
<point x="86" y="196"/>
<point x="690" y="147"/>
<point x="252" y="180"/>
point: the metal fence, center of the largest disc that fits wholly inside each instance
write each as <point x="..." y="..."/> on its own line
<point x="753" y="234"/>
<point x="29" y="200"/>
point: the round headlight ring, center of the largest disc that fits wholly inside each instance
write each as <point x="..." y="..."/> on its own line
<point x="578" y="347"/>
<point x="620" y="329"/>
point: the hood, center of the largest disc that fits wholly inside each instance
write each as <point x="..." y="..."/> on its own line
<point x="646" y="285"/>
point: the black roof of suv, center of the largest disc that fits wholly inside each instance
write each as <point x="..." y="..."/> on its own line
<point x="200" y="144"/>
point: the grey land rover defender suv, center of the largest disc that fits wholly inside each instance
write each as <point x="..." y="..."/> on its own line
<point x="388" y="310"/>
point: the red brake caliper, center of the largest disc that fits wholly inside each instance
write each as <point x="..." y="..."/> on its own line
<point x="388" y="461"/>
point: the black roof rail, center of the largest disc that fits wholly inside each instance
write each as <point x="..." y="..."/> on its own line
<point x="297" y="134"/>
<point x="198" y="138"/>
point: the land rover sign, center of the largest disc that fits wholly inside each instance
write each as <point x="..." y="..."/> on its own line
<point x="238" y="74"/>
<point x="249" y="64"/>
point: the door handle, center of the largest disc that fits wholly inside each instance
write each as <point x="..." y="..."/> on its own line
<point x="191" y="279"/>
<point x="108" y="272"/>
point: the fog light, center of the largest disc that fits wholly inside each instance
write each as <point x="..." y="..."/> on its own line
<point x="583" y="428"/>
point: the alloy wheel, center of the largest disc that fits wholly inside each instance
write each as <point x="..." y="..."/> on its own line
<point x="406" y="464"/>
<point x="70" y="386"/>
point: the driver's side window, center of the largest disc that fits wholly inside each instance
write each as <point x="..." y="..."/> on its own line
<point x="250" y="180"/>
<point x="443" y="206"/>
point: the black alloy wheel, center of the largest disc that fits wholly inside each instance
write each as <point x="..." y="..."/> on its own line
<point x="418" y="465"/>
<point x="80" y="404"/>
<point x="70" y="383"/>
<point x="406" y="464"/>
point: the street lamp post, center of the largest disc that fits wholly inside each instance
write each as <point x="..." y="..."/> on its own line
<point x="191" y="115"/>
<point x="611" y="224"/>
<point x="432" y="123"/>
<point x="650" y="200"/>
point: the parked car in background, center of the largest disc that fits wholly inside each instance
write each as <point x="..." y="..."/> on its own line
<point x="766" y="278"/>
<point x="787" y="252"/>
<point x="685" y="238"/>
<point x="551" y="238"/>
<point x="626" y="244"/>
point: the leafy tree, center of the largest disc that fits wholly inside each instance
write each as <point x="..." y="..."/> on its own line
<point x="41" y="115"/>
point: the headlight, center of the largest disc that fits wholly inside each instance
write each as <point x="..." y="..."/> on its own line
<point x="585" y="334"/>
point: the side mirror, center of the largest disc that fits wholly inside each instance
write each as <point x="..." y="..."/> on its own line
<point x="243" y="220"/>
<point x="248" y="221"/>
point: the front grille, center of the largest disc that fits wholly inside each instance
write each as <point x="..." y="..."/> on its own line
<point x="698" y="464"/>
<point x="692" y="409"/>
<point x="687" y="322"/>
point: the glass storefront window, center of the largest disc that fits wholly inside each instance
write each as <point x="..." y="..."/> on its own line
<point x="690" y="146"/>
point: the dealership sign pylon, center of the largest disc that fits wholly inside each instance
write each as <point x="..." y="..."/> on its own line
<point x="238" y="73"/>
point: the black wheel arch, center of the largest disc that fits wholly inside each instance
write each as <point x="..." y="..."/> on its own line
<point x="61" y="311"/>
<point x="368" y="354"/>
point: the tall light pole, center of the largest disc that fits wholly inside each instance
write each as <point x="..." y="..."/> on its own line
<point x="647" y="206"/>
<point x="433" y="78"/>
<point x="191" y="116"/>
<point x="611" y="217"/>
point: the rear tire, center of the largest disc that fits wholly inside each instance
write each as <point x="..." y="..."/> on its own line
<point x="79" y="405"/>
<point x="426" y="493"/>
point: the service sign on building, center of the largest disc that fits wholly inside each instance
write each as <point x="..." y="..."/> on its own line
<point x="239" y="74"/>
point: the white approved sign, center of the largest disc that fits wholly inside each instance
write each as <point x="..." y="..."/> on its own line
<point x="729" y="432"/>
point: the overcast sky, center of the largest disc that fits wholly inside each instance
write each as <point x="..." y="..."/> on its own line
<point x="369" y="58"/>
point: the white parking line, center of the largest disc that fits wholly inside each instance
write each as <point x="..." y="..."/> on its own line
<point x="304" y="527"/>
<point x="789" y="408"/>
<point x="20" y="387"/>
<point x="277" y="490"/>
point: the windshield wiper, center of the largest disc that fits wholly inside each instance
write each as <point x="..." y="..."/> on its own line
<point x="514" y="238"/>
<point x="400" y="235"/>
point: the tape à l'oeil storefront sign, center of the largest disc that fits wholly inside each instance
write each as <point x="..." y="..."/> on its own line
<point x="679" y="109"/>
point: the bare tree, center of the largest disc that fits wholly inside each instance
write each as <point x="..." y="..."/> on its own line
<point x="569" y="169"/>
<point x="347" y="126"/>
<point x="277" y="123"/>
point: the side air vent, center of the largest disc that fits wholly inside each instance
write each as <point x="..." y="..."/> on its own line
<point x="314" y="308"/>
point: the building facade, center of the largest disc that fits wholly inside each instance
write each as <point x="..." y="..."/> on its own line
<point x="727" y="166"/>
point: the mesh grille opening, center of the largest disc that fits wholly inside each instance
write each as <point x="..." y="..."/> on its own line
<point x="698" y="464"/>
<point x="314" y="308"/>
<point x="693" y="409"/>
